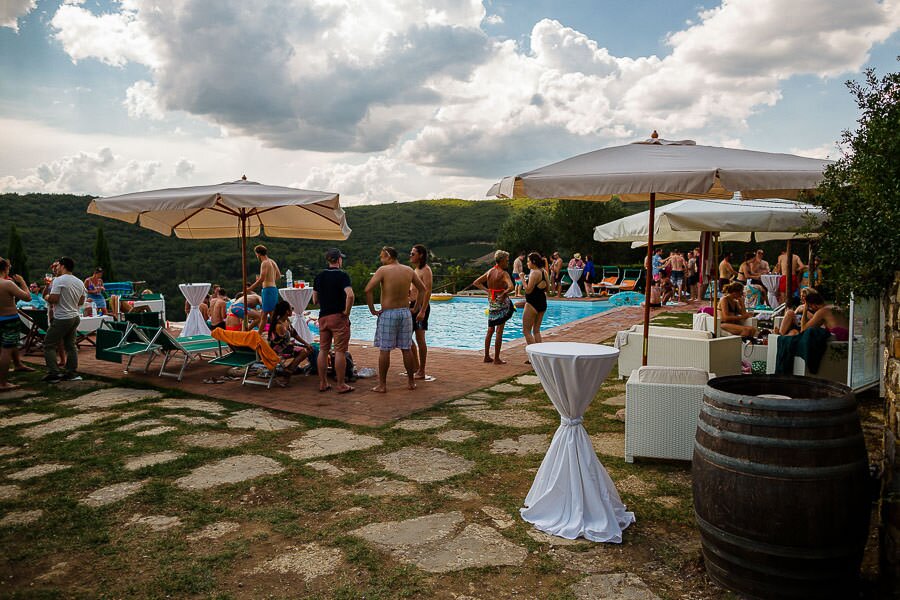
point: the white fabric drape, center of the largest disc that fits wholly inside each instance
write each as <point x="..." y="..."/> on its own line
<point x="572" y="494"/>
<point x="574" y="290"/>
<point x="194" y="293"/>
<point x="772" y="281"/>
<point x="299" y="299"/>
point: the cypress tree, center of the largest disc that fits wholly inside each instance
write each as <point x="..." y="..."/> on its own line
<point x="16" y="253"/>
<point x="101" y="256"/>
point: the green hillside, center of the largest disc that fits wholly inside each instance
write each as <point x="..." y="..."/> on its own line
<point x="57" y="225"/>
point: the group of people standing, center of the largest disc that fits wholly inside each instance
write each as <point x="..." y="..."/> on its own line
<point x="556" y="268"/>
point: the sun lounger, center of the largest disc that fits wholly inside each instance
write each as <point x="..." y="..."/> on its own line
<point x="190" y="348"/>
<point x="245" y="356"/>
<point x="630" y="279"/>
<point x="609" y="280"/>
<point x="133" y="343"/>
<point x="35" y="330"/>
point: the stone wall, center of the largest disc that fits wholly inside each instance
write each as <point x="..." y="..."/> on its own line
<point x="890" y="496"/>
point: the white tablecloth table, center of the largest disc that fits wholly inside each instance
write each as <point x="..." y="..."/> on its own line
<point x="771" y="281"/>
<point x="574" y="290"/>
<point x="299" y="299"/>
<point x="572" y="494"/>
<point x="91" y="324"/>
<point x="194" y="293"/>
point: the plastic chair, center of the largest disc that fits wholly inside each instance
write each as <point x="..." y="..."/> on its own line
<point x="190" y="348"/>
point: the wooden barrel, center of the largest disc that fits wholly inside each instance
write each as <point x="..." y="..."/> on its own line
<point x="781" y="486"/>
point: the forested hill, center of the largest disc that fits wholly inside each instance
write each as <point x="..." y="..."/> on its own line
<point x="56" y="225"/>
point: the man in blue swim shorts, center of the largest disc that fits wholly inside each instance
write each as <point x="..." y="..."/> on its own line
<point x="268" y="275"/>
<point x="395" y="326"/>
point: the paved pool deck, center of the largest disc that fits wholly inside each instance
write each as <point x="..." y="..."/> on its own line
<point x="456" y="372"/>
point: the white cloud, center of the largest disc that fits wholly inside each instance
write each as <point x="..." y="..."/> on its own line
<point x="11" y="10"/>
<point x="184" y="168"/>
<point x="112" y="38"/>
<point x="378" y="179"/>
<point x="830" y="151"/>
<point x="98" y="172"/>
<point x="493" y="20"/>
<point x="142" y="102"/>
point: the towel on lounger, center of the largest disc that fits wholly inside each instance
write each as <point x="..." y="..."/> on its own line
<point x="248" y="339"/>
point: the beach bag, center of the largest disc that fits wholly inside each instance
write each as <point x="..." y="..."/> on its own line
<point x="350" y="372"/>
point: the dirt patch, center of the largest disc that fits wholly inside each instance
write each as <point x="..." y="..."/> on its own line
<point x="425" y="465"/>
<point x="668" y="501"/>
<point x="233" y="469"/>
<point x="546" y="538"/>
<point x="610" y="444"/>
<point x="84" y="384"/>
<point x="310" y="561"/>
<point x="214" y="531"/>
<point x="635" y="485"/>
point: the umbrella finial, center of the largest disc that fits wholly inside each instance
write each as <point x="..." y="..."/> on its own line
<point x="244" y="177"/>
<point x="654" y="135"/>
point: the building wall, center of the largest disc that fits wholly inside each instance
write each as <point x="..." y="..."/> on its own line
<point x="890" y="497"/>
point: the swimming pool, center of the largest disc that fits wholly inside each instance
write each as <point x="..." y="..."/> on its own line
<point x="461" y="322"/>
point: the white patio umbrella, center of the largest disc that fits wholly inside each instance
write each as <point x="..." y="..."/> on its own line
<point x="237" y="209"/>
<point x="662" y="169"/>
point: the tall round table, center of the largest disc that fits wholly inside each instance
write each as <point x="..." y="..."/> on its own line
<point x="299" y="299"/>
<point x="194" y="293"/>
<point x="572" y="494"/>
<point x="771" y="281"/>
<point x="574" y="290"/>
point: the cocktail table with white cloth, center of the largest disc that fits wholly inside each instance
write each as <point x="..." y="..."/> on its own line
<point x="299" y="299"/>
<point x="194" y="293"/>
<point x="771" y="281"/>
<point x="574" y="290"/>
<point x="572" y="494"/>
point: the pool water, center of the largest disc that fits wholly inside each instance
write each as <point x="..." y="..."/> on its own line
<point x="461" y="323"/>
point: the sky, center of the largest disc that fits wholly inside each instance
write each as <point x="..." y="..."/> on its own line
<point x="398" y="100"/>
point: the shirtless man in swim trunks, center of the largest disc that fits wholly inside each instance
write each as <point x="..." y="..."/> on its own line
<point x="796" y="274"/>
<point x="676" y="260"/>
<point x="395" y="324"/>
<point x="10" y="290"/>
<point x="418" y="258"/>
<point x="500" y="307"/>
<point x="556" y="272"/>
<point x="268" y="275"/>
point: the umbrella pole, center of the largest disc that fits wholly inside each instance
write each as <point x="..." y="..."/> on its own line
<point x="244" y="265"/>
<point x="715" y="290"/>
<point x="649" y="278"/>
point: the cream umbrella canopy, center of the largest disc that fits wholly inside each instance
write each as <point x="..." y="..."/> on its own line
<point x="664" y="169"/>
<point x="236" y="209"/>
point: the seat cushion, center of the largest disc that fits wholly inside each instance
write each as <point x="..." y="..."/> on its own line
<point x="673" y="375"/>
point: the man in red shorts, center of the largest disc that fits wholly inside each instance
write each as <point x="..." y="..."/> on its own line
<point x="333" y="292"/>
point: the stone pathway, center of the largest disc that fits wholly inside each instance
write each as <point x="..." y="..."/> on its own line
<point x="215" y="439"/>
<point x="233" y="469"/>
<point x="506" y="388"/>
<point x="456" y="435"/>
<point x="258" y="419"/>
<point x="422" y="424"/>
<point x="434" y="543"/>
<point x="310" y="561"/>
<point x="618" y="400"/>
<point x="425" y="465"/>
<point x="192" y="404"/>
<point x="135" y="425"/>
<point x="65" y="424"/>
<point x="21" y="517"/>
<point x="381" y="486"/>
<point x="613" y="586"/>
<point x="155" y="522"/>
<point x="148" y="460"/>
<point x="329" y="469"/>
<point x="38" y="471"/>
<point x="156" y="431"/>
<point x="214" y="531"/>
<point x="327" y="441"/>
<point x="112" y="493"/>
<point x="528" y="380"/>
<point x="10" y="492"/>
<point x="511" y="417"/>
<point x="468" y="402"/>
<point x="532" y="443"/>
<point x="25" y="419"/>
<point x="107" y="398"/>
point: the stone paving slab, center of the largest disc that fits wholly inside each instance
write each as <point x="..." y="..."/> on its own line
<point x="215" y="439"/>
<point x="192" y="404"/>
<point x="148" y="460"/>
<point x="9" y="450"/>
<point x="506" y="388"/>
<point x="17" y="394"/>
<point x="509" y="417"/>
<point x="112" y="493"/>
<point x="65" y="424"/>
<point x="476" y="547"/>
<point x="156" y="431"/>
<point x="465" y="402"/>
<point x="20" y="517"/>
<point x="327" y="441"/>
<point x="517" y="401"/>
<point x="618" y="400"/>
<point x="25" y="419"/>
<point x="135" y="425"/>
<point x="500" y="517"/>
<point x="481" y="396"/>
<point x="546" y="538"/>
<point x="10" y="492"/>
<point x="190" y="420"/>
<point x="107" y="398"/>
<point x="233" y="469"/>
<point x="613" y="586"/>
<point x="533" y="443"/>
<point x="258" y="419"/>
<point x="329" y="469"/>
<point x="155" y="522"/>
<point x="38" y="471"/>
<point x="381" y="486"/>
<point x="310" y="561"/>
<point x="214" y="531"/>
<point x="422" y="424"/>
<point x="458" y="494"/>
<point x="456" y="435"/>
<point x="425" y="465"/>
<point x="528" y="380"/>
<point x="130" y="414"/>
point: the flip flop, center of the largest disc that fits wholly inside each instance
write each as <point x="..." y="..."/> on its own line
<point x="325" y="389"/>
<point x="347" y="391"/>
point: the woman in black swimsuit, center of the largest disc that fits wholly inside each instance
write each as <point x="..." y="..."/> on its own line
<point x="535" y="299"/>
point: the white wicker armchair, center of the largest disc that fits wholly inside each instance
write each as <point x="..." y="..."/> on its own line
<point x="662" y="405"/>
<point x="674" y="347"/>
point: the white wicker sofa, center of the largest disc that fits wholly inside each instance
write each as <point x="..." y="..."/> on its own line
<point x="833" y="366"/>
<point x="662" y="405"/>
<point x="674" y="347"/>
<point x="704" y="322"/>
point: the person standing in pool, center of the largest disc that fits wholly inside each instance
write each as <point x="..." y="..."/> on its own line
<point x="418" y="258"/>
<point x="499" y="286"/>
<point x="395" y="324"/>
<point x="268" y="275"/>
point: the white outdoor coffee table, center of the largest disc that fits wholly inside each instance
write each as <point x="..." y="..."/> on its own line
<point x="299" y="299"/>
<point x="574" y="290"/>
<point x="572" y="494"/>
<point x="194" y="293"/>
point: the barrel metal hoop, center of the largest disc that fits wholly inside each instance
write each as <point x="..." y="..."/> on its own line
<point x="773" y="549"/>
<point x="797" y="404"/>
<point x="772" y="421"/>
<point x="747" y="467"/>
<point x="757" y="440"/>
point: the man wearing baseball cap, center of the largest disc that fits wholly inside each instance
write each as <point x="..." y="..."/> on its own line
<point x="333" y="292"/>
